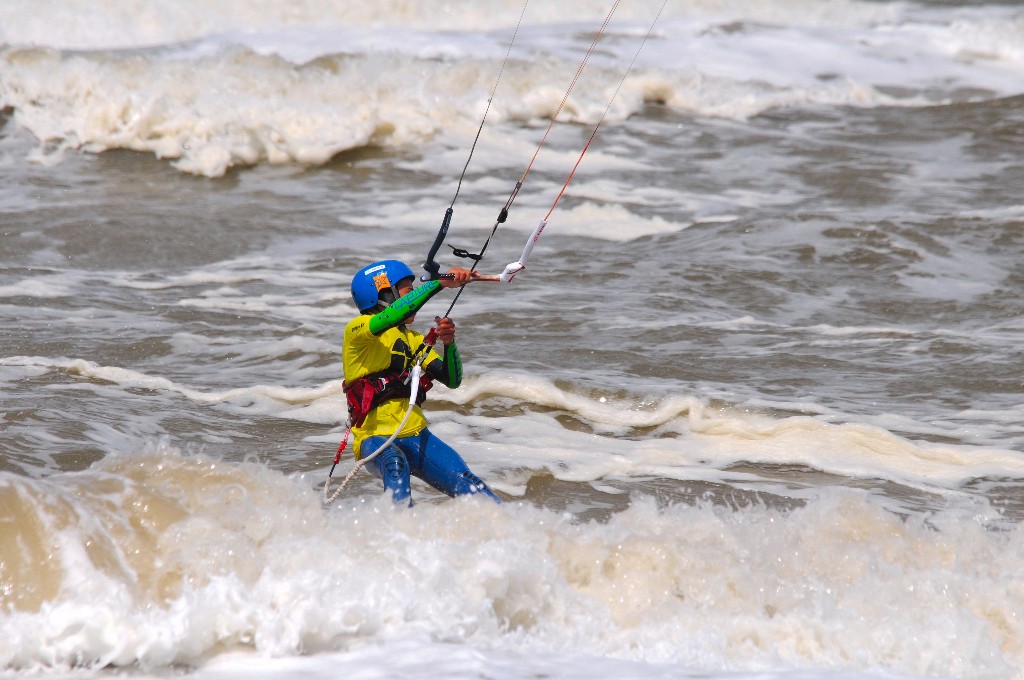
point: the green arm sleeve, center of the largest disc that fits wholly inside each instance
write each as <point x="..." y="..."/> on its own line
<point x="448" y="369"/>
<point x="453" y="362"/>
<point x="404" y="307"/>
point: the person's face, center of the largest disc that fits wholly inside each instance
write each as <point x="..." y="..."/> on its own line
<point x="404" y="287"/>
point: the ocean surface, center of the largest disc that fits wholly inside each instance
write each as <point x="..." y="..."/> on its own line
<point x="756" y="405"/>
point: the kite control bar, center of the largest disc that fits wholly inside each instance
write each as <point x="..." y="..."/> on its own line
<point x="476" y="277"/>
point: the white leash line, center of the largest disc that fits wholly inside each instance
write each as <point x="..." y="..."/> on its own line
<point x="414" y="380"/>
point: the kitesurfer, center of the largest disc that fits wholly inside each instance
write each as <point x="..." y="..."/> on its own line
<point x="378" y="353"/>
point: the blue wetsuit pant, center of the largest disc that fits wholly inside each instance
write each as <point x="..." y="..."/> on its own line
<point x="428" y="458"/>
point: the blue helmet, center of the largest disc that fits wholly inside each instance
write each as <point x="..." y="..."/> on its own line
<point x="372" y="279"/>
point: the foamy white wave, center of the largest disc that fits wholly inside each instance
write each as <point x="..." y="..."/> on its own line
<point x="37" y="287"/>
<point x="743" y="322"/>
<point x="310" y="291"/>
<point x="825" y="329"/>
<point x="249" y="109"/>
<point x="239" y="301"/>
<point x="607" y="222"/>
<point x="1003" y="212"/>
<point x="229" y="117"/>
<point x="976" y="38"/>
<point x="283" y="84"/>
<point x="128" y="23"/>
<point x="263" y="399"/>
<point x="227" y="273"/>
<point x="301" y="308"/>
<point x="541" y="392"/>
<point x="684" y="438"/>
<point x="419" y="656"/>
<point x="155" y="558"/>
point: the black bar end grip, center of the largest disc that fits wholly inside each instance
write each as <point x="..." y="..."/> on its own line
<point x="502" y="216"/>
<point x="433" y="268"/>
